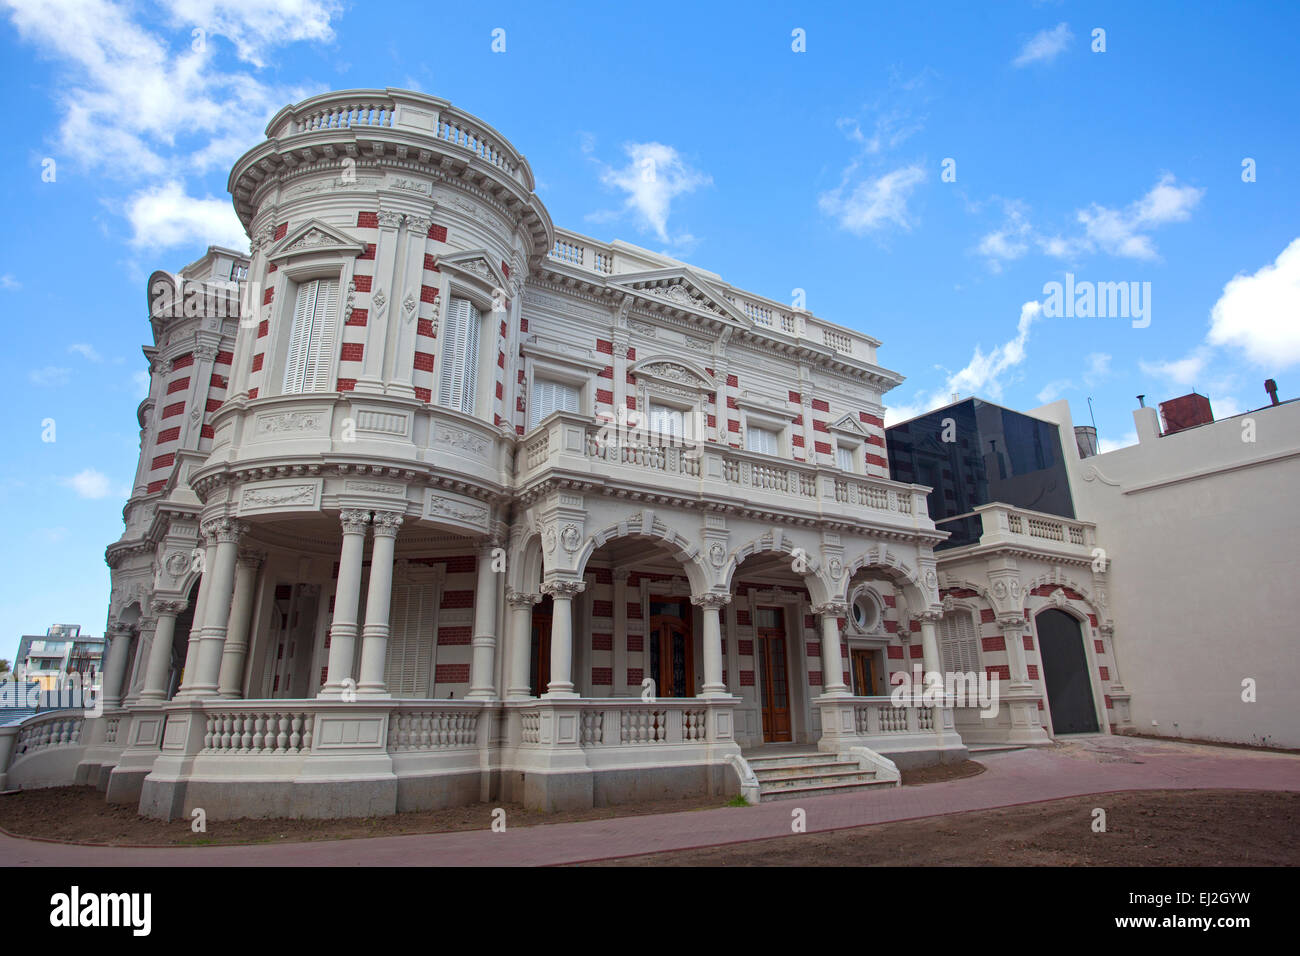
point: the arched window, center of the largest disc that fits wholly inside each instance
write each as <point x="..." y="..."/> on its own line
<point x="959" y="643"/>
<point x="309" y="363"/>
<point x="460" y="356"/>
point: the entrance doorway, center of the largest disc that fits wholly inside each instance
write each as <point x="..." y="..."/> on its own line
<point x="774" y="692"/>
<point x="864" y="672"/>
<point x="1065" y="673"/>
<point x="672" y="652"/>
<point x="539" y="667"/>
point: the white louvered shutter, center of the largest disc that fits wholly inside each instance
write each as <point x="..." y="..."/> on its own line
<point x="761" y="440"/>
<point x="410" y="640"/>
<point x="460" y="357"/>
<point x="844" y="457"/>
<point x="309" y="363"/>
<point x="666" y="420"/>
<point x="550" y="397"/>
<point x="958" y="642"/>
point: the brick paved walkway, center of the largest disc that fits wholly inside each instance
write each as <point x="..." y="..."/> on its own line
<point x="1078" y="766"/>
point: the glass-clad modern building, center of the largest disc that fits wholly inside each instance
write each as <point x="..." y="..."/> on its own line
<point x="973" y="453"/>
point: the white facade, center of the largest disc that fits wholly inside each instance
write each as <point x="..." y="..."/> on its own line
<point x="417" y="523"/>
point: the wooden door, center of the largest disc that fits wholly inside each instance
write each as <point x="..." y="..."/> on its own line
<point x="539" y="670"/>
<point x="864" y="673"/>
<point x="672" y="652"/>
<point x="775" y="689"/>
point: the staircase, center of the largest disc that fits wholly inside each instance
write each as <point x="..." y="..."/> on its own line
<point x="794" y="775"/>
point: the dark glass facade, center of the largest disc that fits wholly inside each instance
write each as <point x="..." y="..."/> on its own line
<point x="992" y="454"/>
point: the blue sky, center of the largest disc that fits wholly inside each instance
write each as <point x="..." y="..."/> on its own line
<point x="819" y="170"/>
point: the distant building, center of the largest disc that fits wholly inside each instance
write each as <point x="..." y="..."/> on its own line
<point x="48" y="659"/>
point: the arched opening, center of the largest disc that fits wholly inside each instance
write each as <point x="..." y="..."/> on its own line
<point x="772" y="640"/>
<point x="634" y="623"/>
<point x="181" y="642"/>
<point x="1065" y="673"/>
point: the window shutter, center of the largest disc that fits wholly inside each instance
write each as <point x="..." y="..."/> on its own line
<point x="410" y="640"/>
<point x="309" y="362"/>
<point x="845" y="458"/>
<point x="667" y="421"/>
<point x="459" y="357"/>
<point x="549" y="396"/>
<point x="761" y="440"/>
<point x="959" y="643"/>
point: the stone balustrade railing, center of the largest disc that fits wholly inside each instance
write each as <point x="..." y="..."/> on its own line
<point x="440" y="727"/>
<point x="258" y="730"/>
<point x="877" y="716"/>
<point x="1002" y="523"/>
<point x="55" y="729"/>
<point x="568" y="441"/>
<point x="628" y="722"/>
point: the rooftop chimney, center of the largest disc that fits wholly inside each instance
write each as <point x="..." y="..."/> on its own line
<point x="1187" y="411"/>
<point x="1085" y="437"/>
<point x="1270" y="386"/>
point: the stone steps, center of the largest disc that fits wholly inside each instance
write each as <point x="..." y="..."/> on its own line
<point x="788" y="776"/>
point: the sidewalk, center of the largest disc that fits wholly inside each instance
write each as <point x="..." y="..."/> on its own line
<point x="1080" y="765"/>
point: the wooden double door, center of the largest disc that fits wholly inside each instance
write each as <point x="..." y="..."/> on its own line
<point x="773" y="659"/>
<point x="671" y="646"/>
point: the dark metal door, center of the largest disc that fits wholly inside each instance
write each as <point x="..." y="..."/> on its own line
<point x="1065" y="673"/>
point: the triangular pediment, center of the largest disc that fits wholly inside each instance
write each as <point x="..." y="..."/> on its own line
<point x="476" y="263"/>
<point x="850" y="423"/>
<point x="674" y="370"/>
<point x="315" y="236"/>
<point x="683" y="289"/>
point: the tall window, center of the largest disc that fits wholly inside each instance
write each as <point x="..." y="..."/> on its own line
<point x="761" y="440"/>
<point x="549" y="396"/>
<point x="844" y="458"/>
<point x="667" y="420"/>
<point x="959" y="643"/>
<point x="459" y="356"/>
<point x="310" y="361"/>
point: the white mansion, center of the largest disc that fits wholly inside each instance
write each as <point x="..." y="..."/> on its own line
<point x="460" y="506"/>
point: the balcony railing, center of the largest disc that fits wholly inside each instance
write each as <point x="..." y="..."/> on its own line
<point x="628" y="722"/>
<point x="568" y="441"/>
<point x="997" y="523"/>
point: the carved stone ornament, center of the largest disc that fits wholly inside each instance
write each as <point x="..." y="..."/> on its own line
<point x="1000" y="591"/>
<point x="948" y="603"/>
<point x="290" y="422"/>
<point x="386" y="523"/>
<point x="564" y="589"/>
<point x="570" y="538"/>
<point x="379" y="300"/>
<point x="712" y="599"/>
<point x="271" y="497"/>
<point x="832" y="609"/>
<point x="835" y="568"/>
<point x="164" y="607"/>
<point x="354" y="522"/>
<point x="717" y="555"/>
<point x="177" y="564"/>
<point x="549" y="540"/>
<point x="521" y="599"/>
<point x="931" y="579"/>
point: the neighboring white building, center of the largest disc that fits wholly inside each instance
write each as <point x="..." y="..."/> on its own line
<point x="50" y="659"/>
<point x="460" y="506"/>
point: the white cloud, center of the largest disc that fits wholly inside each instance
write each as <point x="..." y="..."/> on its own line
<point x="1260" y="313"/>
<point x="1098" y="368"/>
<point x="9" y="282"/>
<point x="89" y="483"/>
<point x="1117" y="232"/>
<point x="1109" y="444"/>
<point x="654" y="176"/>
<point x="1053" y="390"/>
<point x="1183" y="371"/>
<point x="50" y="375"/>
<point x="86" y="351"/>
<point x="874" y="202"/>
<point x="165" y="216"/>
<point x="256" y="26"/>
<point x="1044" y="46"/>
<point x="983" y="375"/>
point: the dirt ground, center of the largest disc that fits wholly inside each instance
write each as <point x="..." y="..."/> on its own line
<point x="1143" y="828"/>
<point x="80" y="815"/>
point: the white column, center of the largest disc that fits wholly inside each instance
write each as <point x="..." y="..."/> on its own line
<point x="620" y="627"/>
<point x="930" y="644"/>
<point x="374" y="636"/>
<point x="230" y="684"/>
<point x="562" y="594"/>
<point x="1013" y="636"/>
<point x="711" y="606"/>
<point x="202" y="681"/>
<point x="160" y="652"/>
<point x="115" y="667"/>
<point x="832" y="660"/>
<point x="481" y="685"/>
<point x="347" y="597"/>
<point x="521" y="643"/>
<point x="140" y="664"/>
<point x="191" y="665"/>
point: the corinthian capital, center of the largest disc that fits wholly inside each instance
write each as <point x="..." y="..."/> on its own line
<point x="354" y="522"/>
<point x="564" y="589"/>
<point x="386" y="523"/>
<point x="832" y="609"/>
<point x="165" y="608"/>
<point x="224" y="530"/>
<point x="521" y="599"/>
